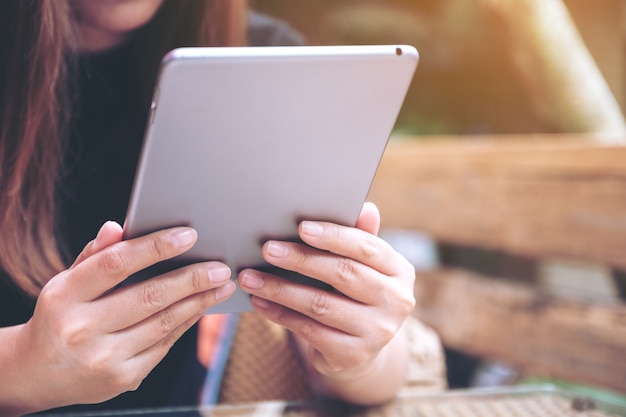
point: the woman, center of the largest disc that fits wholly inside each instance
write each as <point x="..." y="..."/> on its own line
<point x="75" y="83"/>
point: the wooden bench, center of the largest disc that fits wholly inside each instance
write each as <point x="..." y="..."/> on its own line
<point x="540" y="197"/>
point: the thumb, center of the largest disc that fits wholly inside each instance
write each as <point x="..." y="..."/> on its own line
<point x="109" y="233"/>
<point x="369" y="219"/>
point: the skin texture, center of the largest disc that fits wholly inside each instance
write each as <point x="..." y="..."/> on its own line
<point x="87" y="342"/>
<point x="90" y="340"/>
<point x="95" y="342"/>
<point x="350" y="339"/>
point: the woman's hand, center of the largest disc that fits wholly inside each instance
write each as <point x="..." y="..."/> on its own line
<point x="349" y="336"/>
<point x="89" y="341"/>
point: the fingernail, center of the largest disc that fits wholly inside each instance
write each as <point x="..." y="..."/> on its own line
<point x="184" y="237"/>
<point x="225" y="291"/>
<point x="99" y="235"/>
<point x="312" y="228"/>
<point x="218" y="274"/>
<point x="252" y="281"/>
<point x="277" y="249"/>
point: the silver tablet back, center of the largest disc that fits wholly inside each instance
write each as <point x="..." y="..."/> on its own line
<point x="243" y="143"/>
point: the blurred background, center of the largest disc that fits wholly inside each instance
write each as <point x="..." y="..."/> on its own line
<point x="490" y="67"/>
<point x="469" y="79"/>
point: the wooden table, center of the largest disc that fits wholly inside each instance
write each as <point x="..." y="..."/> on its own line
<point x="542" y="197"/>
<point x="540" y="401"/>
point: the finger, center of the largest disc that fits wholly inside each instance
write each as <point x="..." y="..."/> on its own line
<point x="132" y="304"/>
<point x="158" y="328"/>
<point x="335" y="349"/>
<point x="352" y="243"/>
<point x="105" y="269"/>
<point x="142" y="363"/>
<point x="369" y="219"/>
<point x="326" y="307"/>
<point x="351" y="278"/>
<point x="109" y="233"/>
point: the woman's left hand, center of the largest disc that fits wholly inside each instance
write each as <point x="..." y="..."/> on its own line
<point x="342" y="332"/>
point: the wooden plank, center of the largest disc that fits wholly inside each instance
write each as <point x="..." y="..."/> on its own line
<point x="578" y="341"/>
<point x="533" y="196"/>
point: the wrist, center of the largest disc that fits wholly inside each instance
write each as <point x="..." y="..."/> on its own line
<point x="17" y="396"/>
<point x="373" y="383"/>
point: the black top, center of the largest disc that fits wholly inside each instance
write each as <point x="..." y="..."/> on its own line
<point x="94" y="186"/>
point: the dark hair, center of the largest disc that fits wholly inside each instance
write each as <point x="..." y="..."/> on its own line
<point x="37" y="40"/>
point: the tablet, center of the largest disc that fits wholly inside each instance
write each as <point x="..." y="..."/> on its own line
<point x="243" y="143"/>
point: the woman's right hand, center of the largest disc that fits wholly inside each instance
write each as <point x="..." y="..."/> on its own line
<point x="89" y="341"/>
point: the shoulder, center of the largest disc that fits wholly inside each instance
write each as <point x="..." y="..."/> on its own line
<point x="264" y="30"/>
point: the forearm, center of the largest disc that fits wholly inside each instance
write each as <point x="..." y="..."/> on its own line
<point x="560" y="75"/>
<point x="376" y="383"/>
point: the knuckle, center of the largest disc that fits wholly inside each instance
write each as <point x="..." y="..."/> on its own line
<point x="114" y="261"/>
<point x="346" y="270"/>
<point x="365" y="357"/>
<point x="307" y="330"/>
<point x="327" y="363"/>
<point x="197" y="278"/>
<point x="153" y="295"/>
<point x="410" y="304"/>
<point x="406" y="302"/>
<point x="123" y="382"/>
<point x="52" y="294"/>
<point x="386" y="331"/>
<point x="277" y="289"/>
<point x="75" y="334"/>
<point x="206" y="299"/>
<point x="101" y="364"/>
<point x="297" y="260"/>
<point x="168" y="342"/>
<point x="299" y="257"/>
<point x="134" y="384"/>
<point x="340" y="365"/>
<point x="159" y="248"/>
<point x="320" y="304"/>
<point x="356" y="359"/>
<point x="165" y="323"/>
<point x="280" y="314"/>
<point x="369" y="248"/>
